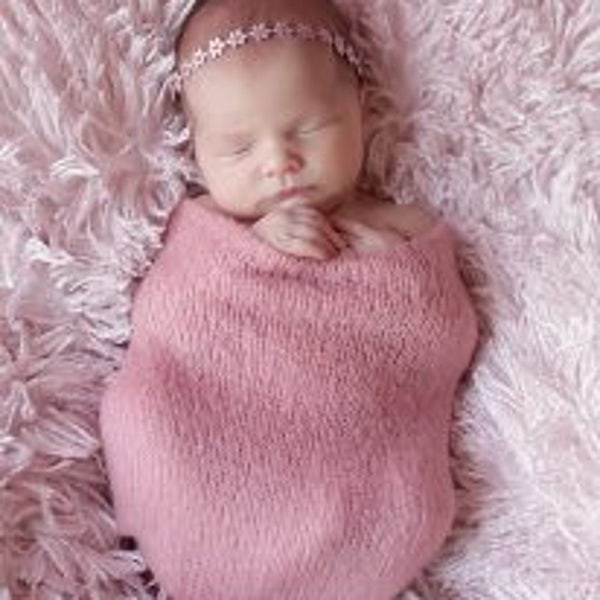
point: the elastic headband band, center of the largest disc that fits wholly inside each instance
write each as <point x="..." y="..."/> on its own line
<point x="261" y="32"/>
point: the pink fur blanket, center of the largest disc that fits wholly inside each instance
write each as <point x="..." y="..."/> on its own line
<point x="279" y="428"/>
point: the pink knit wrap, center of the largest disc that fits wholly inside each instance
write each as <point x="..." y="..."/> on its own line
<point x="279" y="427"/>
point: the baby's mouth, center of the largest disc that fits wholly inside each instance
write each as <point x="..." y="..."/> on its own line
<point x="285" y="194"/>
<point x="293" y="192"/>
<point x="300" y="192"/>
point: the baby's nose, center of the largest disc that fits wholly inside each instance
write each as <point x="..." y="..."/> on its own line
<point x="280" y="160"/>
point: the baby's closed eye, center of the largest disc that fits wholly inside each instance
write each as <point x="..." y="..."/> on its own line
<point x="316" y="125"/>
<point x="240" y="150"/>
<point x="237" y="150"/>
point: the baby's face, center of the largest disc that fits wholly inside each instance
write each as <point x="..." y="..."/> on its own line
<point x="282" y="119"/>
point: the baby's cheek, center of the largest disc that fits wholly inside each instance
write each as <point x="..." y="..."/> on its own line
<point x="219" y="178"/>
<point x="232" y="190"/>
<point x="342" y="162"/>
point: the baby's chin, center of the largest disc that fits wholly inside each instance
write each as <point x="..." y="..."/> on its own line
<point x="312" y="197"/>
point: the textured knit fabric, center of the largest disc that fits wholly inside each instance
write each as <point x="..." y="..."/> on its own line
<point x="279" y="427"/>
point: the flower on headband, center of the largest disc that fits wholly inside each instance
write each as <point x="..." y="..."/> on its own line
<point x="237" y="38"/>
<point x="199" y="58"/>
<point x="260" y="32"/>
<point x="283" y="30"/>
<point x="353" y="57"/>
<point x="217" y="47"/>
<point x="306" y="32"/>
<point x="325" y="36"/>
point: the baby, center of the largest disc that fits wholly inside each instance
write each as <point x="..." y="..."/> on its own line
<point x="279" y="428"/>
<point x="278" y="132"/>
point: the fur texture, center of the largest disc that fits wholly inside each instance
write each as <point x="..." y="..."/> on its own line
<point x="500" y="132"/>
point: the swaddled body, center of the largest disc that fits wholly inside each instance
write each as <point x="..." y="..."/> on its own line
<point x="279" y="428"/>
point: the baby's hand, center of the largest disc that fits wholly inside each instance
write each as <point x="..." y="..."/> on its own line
<point x="364" y="237"/>
<point x="296" y="228"/>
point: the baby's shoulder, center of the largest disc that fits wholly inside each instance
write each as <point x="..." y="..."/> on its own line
<point x="410" y="220"/>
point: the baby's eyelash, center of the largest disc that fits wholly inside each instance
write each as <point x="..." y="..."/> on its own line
<point x="310" y="127"/>
<point x="239" y="151"/>
<point x="315" y="126"/>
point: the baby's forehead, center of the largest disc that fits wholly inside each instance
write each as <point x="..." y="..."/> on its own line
<point x="311" y="64"/>
<point x="242" y="68"/>
<point x="275" y="80"/>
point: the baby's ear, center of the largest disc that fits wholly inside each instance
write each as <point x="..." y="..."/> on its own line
<point x="360" y="91"/>
<point x="363" y="103"/>
<point x="184" y="105"/>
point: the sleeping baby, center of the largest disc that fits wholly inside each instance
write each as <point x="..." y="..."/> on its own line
<point x="279" y="427"/>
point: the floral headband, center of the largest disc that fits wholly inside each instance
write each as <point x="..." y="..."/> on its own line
<point x="261" y="32"/>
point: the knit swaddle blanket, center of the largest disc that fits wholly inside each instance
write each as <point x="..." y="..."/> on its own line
<point x="279" y="427"/>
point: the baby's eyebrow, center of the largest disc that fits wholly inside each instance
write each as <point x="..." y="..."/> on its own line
<point x="234" y="136"/>
<point x="237" y="135"/>
<point x="227" y="137"/>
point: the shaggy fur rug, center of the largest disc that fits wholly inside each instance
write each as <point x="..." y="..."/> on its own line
<point x="500" y="131"/>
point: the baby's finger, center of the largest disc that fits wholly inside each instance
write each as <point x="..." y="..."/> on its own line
<point x="350" y="230"/>
<point x="349" y="225"/>
<point x="305" y="249"/>
<point x="333" y="236"/>
<point x="364" y="237"/>
<point x="318" y="221"/>
<point x="356" y="228"/>
<point x="307" y="238"/>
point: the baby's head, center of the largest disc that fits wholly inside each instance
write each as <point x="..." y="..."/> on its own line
<point x="271" y="116"/>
